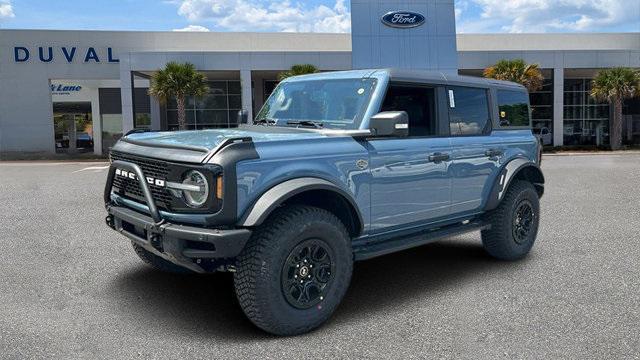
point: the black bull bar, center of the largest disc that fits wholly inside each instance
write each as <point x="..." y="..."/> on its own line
<point x="180" y="244"/>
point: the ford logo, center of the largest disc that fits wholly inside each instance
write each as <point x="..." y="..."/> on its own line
<point x="402" y="19"/>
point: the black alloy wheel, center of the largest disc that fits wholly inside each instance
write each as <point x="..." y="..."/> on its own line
<point x="307" y="274"/>
<point x="523" y="221"/>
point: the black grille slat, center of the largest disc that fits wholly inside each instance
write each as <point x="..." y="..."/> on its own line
<point x="130" y="188"/>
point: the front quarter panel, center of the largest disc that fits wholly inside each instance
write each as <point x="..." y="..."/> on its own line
<point x="334" y="159"/>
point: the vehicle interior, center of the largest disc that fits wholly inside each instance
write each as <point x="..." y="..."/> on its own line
<point x="419" y="103"/>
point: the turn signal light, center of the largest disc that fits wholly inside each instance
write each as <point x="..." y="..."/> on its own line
<point x="219" y="187"/>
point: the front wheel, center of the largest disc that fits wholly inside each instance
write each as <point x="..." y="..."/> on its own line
<point x="294" y="270"/>
<point x="514" y="223"/>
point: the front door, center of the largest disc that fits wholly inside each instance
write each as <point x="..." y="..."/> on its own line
<point x="409" y="181"/>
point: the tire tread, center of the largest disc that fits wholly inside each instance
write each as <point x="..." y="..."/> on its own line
<point x="264" y="242"/>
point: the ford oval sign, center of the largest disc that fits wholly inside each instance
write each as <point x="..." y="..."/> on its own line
<point x="403" y="19"/>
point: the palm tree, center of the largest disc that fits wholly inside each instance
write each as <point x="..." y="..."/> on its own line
<point x="614" y="86"/>
<point x="518" y="71"/>
<point x="179" y="81"/>
<point x="300" y="69"/>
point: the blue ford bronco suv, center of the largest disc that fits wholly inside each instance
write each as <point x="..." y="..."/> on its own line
<point x="336" y="167"/>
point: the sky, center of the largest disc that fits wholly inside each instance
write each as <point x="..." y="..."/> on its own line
<point x="472" y="16"/>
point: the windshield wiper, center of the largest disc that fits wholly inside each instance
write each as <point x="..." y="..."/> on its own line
<point x="265" y="121"/>
<point x="315" y="124"/>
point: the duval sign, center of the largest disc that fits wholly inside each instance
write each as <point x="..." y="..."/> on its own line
<point x="47" y="54"/>
<point x="403" y="19"/>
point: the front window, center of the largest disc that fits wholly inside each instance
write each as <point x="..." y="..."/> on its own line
<point x="334" y="104"/>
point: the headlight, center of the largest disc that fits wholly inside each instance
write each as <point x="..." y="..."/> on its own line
<point x="196" y="189"/>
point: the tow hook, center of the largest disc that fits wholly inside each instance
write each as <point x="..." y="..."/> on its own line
<point x="109" y="221"/>
<point x="156" y="241"/>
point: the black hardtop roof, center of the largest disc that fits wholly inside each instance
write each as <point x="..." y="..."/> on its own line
<point x="436" y="77"/>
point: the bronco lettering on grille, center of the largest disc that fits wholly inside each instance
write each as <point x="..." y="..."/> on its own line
<point x="133" y="176"/>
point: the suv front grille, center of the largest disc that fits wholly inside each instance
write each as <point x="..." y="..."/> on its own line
<point x="130" y="188"/>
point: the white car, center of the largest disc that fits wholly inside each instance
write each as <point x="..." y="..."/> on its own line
<point x="544" y="134"/>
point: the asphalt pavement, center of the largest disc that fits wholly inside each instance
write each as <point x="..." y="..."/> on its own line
<point x="72" y="288"/>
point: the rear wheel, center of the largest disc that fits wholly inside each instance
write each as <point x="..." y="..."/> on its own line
<point x="157" y="262"/>
<point x="514" y="223"/>
<point x="295" y="270"/>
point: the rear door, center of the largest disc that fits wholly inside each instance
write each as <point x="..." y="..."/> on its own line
<point x="475" y="153"/>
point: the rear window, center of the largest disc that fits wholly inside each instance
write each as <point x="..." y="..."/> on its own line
<point x="513" y="107"/>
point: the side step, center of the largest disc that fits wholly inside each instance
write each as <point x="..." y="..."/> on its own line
<point x="378" y="248"/>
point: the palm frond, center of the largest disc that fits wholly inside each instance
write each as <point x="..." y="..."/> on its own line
<point x="517" y="70"/>
<point x="298" y="69"/>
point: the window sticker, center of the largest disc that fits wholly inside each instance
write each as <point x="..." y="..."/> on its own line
<point x="452" y="100"/>
<point x="360" y="91"/>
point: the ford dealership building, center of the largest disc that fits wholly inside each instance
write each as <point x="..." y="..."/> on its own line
<point x="79" y="91"/>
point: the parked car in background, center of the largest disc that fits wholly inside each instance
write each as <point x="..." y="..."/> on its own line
<point x="84" y="140"/>
<point x="544" y="134"/>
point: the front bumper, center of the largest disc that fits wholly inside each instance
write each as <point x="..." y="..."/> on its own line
<point x="191" y="247"/>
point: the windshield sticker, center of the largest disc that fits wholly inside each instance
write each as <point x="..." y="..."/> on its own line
<point x="360" y="91"/>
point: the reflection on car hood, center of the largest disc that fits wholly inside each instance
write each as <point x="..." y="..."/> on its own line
<point x="210" y="139"/>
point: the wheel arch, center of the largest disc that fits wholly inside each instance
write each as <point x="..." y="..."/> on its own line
<point x="309" y="191"/>
<point x="519" y="168"/>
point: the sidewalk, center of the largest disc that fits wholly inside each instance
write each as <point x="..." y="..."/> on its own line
<point x="48" y="157"/>
<point x="594" y="152"/>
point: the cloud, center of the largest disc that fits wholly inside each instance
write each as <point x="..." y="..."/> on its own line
<point x="535" y="16"/>
<point x="6" y="9"/>
<point x="267" y="15"/>
<point x="193" y="28"/>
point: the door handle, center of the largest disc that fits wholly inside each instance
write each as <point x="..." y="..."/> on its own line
<point x="438" y="157"/>
<point x="493" y="152"/>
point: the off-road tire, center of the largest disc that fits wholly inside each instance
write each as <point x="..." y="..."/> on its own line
<point x="259" y="276"/>
<point x="157" y="262"/>
<point x="499" y="240"/>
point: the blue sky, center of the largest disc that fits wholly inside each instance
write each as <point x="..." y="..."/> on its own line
<point x="472" y="16"/>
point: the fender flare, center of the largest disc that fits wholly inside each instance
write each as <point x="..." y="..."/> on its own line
<point x="277" y="195"/>
<point x="509" y="172"/>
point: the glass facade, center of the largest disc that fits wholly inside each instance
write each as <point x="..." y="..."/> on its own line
<point x="542" y="108"/>
<point x="631" y="121"/>
<point x="219" y="108"/>
<point x="586" y="120"/>
<point x="73" y="127"/>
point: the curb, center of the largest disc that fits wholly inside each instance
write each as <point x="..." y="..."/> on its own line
<point x="626" y="152"/>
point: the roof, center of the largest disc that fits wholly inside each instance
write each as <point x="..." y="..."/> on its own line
<point x="408" y="75"/>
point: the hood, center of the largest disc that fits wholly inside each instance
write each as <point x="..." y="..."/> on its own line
<point x="200" y="145"/>
<point x="207" y="140"/>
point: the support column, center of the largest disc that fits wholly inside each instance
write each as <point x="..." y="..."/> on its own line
<point x="558" y="106"/>
<point x="247" y="93"/>
<point x="156" y="119"/>
<point x="126" y="94"/>
<point x="97" y="121"/>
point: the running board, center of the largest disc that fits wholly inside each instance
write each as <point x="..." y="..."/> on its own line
<point x="379" y="248"/>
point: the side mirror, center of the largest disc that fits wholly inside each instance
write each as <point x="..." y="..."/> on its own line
<point x="390" y="123"/>
<point x="243" y="116"/>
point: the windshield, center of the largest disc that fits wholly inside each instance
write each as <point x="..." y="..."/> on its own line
<point x="334" y="103"/>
